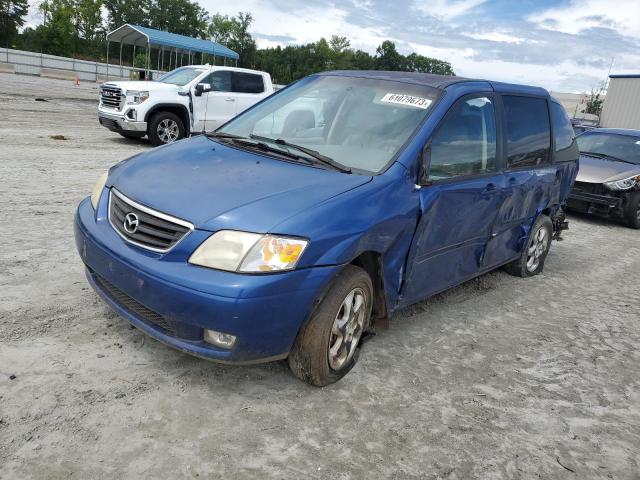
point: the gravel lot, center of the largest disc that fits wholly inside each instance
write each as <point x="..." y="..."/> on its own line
<point x="501" y="378"/>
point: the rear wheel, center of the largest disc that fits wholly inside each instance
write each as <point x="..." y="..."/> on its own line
<point x="165" y="127"/>
<point x="632" y="210"/>
<point x="531" y="261"/>
<point x="326" y="348"/>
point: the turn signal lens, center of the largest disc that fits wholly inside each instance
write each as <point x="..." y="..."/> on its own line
<point x="97" y="189"/>
<point x="273" y="253"/>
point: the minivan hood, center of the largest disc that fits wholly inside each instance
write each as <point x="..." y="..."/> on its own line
<point x="215" y="186"/>
<point x="600" y="170"/>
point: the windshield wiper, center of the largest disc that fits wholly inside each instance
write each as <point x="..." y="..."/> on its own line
<point x="604" y="155"/>
<point x="248" y="143"/>
<point x="307" y="151"/>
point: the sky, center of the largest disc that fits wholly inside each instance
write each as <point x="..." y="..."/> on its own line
<point x="561" y="45"/>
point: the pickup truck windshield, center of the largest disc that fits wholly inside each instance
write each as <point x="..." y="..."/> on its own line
<point x="181" y="76"/>
<point x="361" y="123"/>
<point x="622" y="147"/>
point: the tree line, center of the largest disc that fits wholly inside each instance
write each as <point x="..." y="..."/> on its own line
<point x="78" y="28"/>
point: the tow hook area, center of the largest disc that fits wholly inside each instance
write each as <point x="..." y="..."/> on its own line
<point x="559" y="224"/>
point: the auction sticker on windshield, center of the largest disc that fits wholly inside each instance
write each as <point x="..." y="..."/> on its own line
<point x="409" y="100"/>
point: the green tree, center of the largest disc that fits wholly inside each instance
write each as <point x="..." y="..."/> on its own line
<point x="387" y="57"/>
<point x="233" y="33"/>
<point x="119" y="12"/>
<point x="594" y="102"/>
<point x="339" y="43"/>
<point x="179" y="16"/>
<point x="58" y="32"/>
<point x="12" y="17"/>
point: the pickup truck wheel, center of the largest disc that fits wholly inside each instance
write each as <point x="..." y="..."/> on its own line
<point x="326" y="348"/>
<point x="632" y="210"/>
<point x="132" y="135"/>
<point x="531" y="261"/>
<point x="165" y="127"/>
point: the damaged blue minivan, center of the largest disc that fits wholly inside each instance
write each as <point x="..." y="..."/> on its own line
<point x="310" y="218"/>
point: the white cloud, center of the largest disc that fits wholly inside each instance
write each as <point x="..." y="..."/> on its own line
<point x="579" y="15"/>
<point x="500" y="37"/>
<point x="446" y="9"/>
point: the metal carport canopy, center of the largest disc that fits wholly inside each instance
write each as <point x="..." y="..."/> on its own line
<point x="144" y="36"/>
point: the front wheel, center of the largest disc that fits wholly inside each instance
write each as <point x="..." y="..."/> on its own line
<point x="325" y="349"/>
<point x="165" y="127"/>
<point x="632" y="211"/>
<point x="531" y="261"/>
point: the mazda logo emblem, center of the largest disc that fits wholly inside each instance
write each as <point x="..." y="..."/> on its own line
<point x="131" y="222"/>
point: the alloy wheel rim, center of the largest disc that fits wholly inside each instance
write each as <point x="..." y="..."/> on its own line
<point x="537" y="248"/>
<point x="347" y="329"/>
<point x="168" y="130"/>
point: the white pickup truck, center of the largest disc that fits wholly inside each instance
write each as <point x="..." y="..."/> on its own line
<point x="184" y="101"/>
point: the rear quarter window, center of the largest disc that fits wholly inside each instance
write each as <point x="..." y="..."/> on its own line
<point x="247" y="83"/>
<point x="562" y="129"/>
<point x="528" y="131"/>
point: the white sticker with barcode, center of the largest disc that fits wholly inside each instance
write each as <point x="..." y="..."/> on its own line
<point x="409" y="100"/>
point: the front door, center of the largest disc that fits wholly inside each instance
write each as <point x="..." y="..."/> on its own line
<point x="217" y="106"/>
<point x="460" y="202"/>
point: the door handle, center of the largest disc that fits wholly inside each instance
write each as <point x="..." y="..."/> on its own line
<point x="512" y="180"/>
<point x="230" y="99"/>
<point x="490" y="187"/>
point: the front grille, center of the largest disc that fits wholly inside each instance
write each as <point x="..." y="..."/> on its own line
<point x="584" y="187"/>
<point x="143" y="226"/>
<point x="111" y="97"/>
<point x="133" y="306"/>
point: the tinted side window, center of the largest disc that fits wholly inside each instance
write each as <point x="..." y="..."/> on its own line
<point x="465" y="142"/>
<point x="247" y="83"/>
<point x="528" y="133"/>
<point x="562" y="129"/>
<point x="220" y="81"/>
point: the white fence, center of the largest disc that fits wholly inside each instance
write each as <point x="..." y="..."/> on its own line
<point x="32" y="63"/>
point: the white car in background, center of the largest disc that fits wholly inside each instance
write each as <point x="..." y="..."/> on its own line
<point x="184" y="101"/>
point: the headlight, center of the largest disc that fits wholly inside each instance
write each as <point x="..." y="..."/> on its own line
<point x="625" y="184"/>
<point x="249" y="252"/>
<point x="97" y="189"/>
<point x="135" y="97"/>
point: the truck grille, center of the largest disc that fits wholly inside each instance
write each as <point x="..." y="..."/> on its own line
<point x="143" y="226"/>
<point x="111" y="97"/>
<point x="585" y="187"/>
<point x="133" y="306"/>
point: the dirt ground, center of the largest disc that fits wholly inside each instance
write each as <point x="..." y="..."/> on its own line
<point x="501" y="378"/>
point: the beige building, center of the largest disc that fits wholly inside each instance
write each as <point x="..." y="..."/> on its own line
<point x="621" y="108"/>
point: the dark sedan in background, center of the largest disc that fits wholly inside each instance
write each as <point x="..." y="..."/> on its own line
<point x="608" y="183"/>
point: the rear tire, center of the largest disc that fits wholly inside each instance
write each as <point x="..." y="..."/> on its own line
<point x="132" y="135"/>
<point x="531" y="261"/>
<point x="632" y="211"/>
<point x="165" y="127"/>
<point x="326" y="347"/>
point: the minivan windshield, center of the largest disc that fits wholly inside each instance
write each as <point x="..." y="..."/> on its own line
<point x="621" y="147"/>
<point x="181" y="76"/>
<point x="360" y="123"/>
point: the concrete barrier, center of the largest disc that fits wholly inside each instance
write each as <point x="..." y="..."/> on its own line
<point x="59" y="74"/>
<point x="7" y="68"/>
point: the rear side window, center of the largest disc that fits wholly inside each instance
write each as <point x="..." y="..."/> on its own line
<point x="465" y="142"/>
<point x="562" y="128"/>
<point x="528" y="132"/>
<point x="247" y="83"/>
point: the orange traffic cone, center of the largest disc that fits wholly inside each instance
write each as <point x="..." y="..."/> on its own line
<point x="77" y="82"/>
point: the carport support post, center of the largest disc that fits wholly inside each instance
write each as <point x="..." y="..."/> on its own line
<point x="108" y="42"/>
<point x="133" y="61"/>
<point x="146" y="75"/>
<point x="121" y="58"/>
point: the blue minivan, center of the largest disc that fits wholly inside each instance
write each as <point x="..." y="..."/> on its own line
<point x="310" y="218"/>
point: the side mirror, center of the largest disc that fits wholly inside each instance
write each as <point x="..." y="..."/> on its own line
<point x="423" y="167"/>
<point x="202" y="88"/>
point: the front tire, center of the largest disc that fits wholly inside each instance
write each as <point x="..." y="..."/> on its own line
<point x="632" y="211"/>
<point x="326" y="347"/>
<point x="165" y="127"/>
<point x="531" y="261"/>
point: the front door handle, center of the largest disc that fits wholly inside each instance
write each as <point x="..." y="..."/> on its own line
<point x="490" y="187"/>
<point x="230" y="99"/>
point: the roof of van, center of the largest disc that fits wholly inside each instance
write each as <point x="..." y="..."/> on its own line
<point x="435" y="81"/>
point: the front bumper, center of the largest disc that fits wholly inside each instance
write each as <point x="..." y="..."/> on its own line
<point x="606" y="200"/>
<point x="174" y="301"/>
<point x="119" y="123"/>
